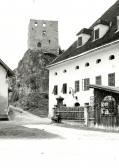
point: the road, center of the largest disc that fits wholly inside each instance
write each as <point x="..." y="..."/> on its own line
<point x="71" y="149"/>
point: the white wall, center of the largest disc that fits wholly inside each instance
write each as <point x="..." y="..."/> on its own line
<point x="3" y="91"/>
<point x="102" y="29"/>
<point x="85" y="38"/>
<point x="104" y="68"/>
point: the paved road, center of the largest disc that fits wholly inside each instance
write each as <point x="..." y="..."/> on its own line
<point x="73" y="149"/>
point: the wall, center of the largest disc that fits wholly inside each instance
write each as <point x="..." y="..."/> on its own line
<point x="49" y="41"/>
<point x="3" y="92"/>
<point x="104" y="68"/>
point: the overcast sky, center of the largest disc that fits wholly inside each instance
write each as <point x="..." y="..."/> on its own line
<point x="72" y="15"/>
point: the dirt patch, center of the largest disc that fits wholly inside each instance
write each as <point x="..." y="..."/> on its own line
<point x="15" y="131"/>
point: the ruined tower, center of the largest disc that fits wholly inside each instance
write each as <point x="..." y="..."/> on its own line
<point x="43" y="35"/>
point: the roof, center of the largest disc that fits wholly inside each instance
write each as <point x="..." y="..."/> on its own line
<point x="85" y="31"/>
<point x="110" y="16"/>
<point x="9" y="71"/>
<point x="106" y="88"/>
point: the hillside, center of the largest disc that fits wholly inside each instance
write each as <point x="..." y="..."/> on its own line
<point x="30" y="86"/>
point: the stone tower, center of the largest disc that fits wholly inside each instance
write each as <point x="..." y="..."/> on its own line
<point x="43" y="35"/>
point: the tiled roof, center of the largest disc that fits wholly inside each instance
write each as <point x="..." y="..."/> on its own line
<point x="110" y="16"/>
<point x="9" y="71"/>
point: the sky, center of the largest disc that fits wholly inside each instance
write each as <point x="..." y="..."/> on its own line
<point x="72" y="16"/>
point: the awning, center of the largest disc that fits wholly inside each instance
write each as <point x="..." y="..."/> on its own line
<point x="106" y="88"/>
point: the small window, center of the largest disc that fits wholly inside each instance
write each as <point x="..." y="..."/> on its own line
<point x="111" y="57"/>
<point x="64" y="88"/>
<point x="39" y="44"/>
<point x="44" y="24"/>
<point x="64" y="71"/>
<point x="35" y="24"/>
<point x="44" y="33"/>
<point x="96" y="34"/>
<point x="85" y="84"/>
<point x="87" y="64"/>
<point x="98" y="61"/>
<point x="111" y="79"/>
<point x="80" y="41"/>
<point x="77" y="87"/>
<point x="77" y="67"/>
<point x="98" y="80"/>
<point x="55" y="90"/>
<point x="55" y="73"/>
<point x="49" y="41"/>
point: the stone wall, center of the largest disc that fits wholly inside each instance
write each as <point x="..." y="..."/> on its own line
<point x="43" y="34"/>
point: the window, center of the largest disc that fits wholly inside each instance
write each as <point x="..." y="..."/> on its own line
<point x="98" y="80"/>
<point x="96" y="34"/>
<point x="44" y="24"/>
<point x="55" y="73"/>
<point x="79" y="41"/>
<point x="111" y="57"/>
<point x="64" y="71"/>
<point x="44" y="33"/>
<point x="77" y="67"/>
<point x="64" y="88"/>
<point x="49" y="41"/>
<point x="98" y="61"/>
<point x="77" y="86"/>
<point x="87" y="64"/>
<point x="38" y="44"/>
<point x="55" y="90"/>
<point x="35" y="24"/>
<point x="111" y="79"/>
<point x="85" y="84"/>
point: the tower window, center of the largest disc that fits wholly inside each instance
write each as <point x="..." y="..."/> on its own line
<point x="39" y="44"/>
<point x="49" y="41"/>
<point x="35" y="24"/>
<point x="111" y="57"/>
<point x="44" y="24"/>
<point x="44" y="33"/>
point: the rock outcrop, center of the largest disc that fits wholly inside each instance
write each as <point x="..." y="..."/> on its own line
<point x="30" y="86"/>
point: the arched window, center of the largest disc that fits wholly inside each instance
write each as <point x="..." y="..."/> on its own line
<point x="111" y="57"/>
<point x="38" y="44"/>
<point x="98" y="61"/>
<point x="87" y="64"/>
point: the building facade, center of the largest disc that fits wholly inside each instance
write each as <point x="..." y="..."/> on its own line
<point x="43" y="34"/>
<point x="5" y="74"/>
<point x="92" y="59"/>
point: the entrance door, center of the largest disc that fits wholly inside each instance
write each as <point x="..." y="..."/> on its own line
<point x="108" y="115"/>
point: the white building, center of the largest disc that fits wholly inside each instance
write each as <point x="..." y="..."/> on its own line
<point x="92" y="59"/>
<point x="5" y="74"/>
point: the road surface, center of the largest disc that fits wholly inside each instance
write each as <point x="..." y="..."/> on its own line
<point x="71" y="149"/>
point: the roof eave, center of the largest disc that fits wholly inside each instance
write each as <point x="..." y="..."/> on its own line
<point x="84" y="53"/>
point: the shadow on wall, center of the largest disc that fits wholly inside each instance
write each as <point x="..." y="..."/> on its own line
<point x="3" y="105"/>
